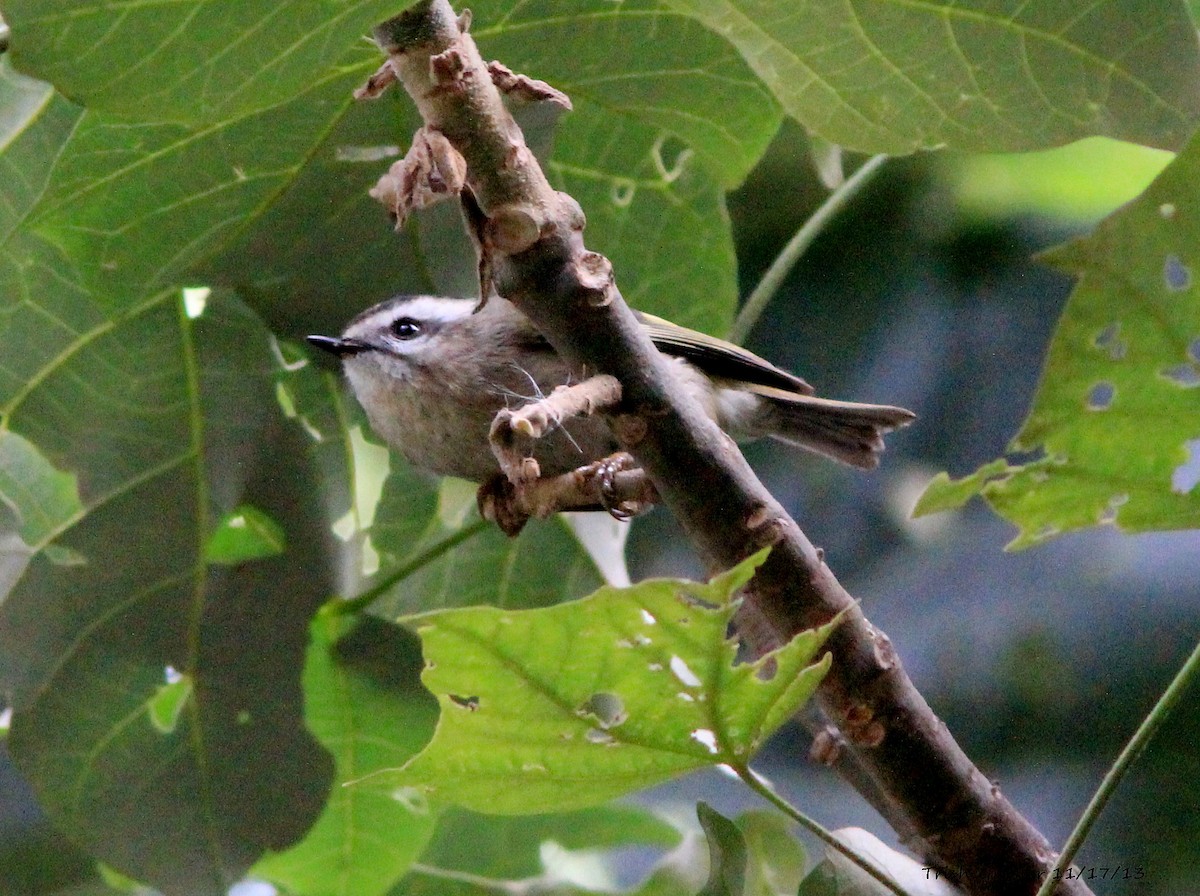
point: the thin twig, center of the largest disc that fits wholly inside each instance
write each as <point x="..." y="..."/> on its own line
<point x="464" y="877"/>
<point x="376" y="591"/>
<point x="1149" y="727"/>
<point x="757" y="301"/>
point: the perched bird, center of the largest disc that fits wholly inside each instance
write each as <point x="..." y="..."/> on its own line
<point x="433" y="372"/>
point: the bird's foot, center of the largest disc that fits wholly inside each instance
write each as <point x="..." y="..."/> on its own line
<point x="514" y="431"/>
<point x="614" y="484"/>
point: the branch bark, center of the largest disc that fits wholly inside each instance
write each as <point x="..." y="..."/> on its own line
<point x="901" y="755"/>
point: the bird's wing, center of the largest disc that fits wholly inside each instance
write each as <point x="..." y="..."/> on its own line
<point x="718" y="358"/>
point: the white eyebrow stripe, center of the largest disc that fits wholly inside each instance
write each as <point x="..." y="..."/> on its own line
<point x="432" y="309"/>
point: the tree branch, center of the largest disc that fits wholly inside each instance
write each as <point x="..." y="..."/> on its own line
<point x="946" y="809"/>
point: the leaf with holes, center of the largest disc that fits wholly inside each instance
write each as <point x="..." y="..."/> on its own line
<point x="575" y="704"/>
<point x="1117" y="414"/>
<point x="978" y="75"/>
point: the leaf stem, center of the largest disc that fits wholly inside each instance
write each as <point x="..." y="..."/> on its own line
<point x="757" y="301"/>
<point x="759" y="785"/>
<point x="464" y="877"/>
<point x="372" y="594"/>
<point x="1187" y="675"/>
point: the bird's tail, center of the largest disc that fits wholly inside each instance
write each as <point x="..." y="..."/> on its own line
<point x="843" y="430"/>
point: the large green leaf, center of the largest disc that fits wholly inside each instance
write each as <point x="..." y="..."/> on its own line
<point x="1117" y="414"/>
<point x="197" y="61"/>
<point x="896" y="76"/>
<point x="667" y="117"/>
<point x="135" y="205"/>
<point x="322" y="249"/>
<point x="634" y="218"/>
<point x="279" y="175"/>
<point x="365" y="703"/>
<point x="572" y="705"/>
<point x="157" y="697"/>
<point x="636" y="62"/>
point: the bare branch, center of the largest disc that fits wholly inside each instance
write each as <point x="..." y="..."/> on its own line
<point x="431" y="171"/>
<point x="948" y="811"/>
<point x="522" y="86"/>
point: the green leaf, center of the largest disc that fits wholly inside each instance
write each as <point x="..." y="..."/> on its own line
<point x="168" y="703"/>
<point x="575" y="704"/>
<point x="727" y="854"/>
<point x="244" y="533"/>
<point x="166" y="422"/>
<point x="470" y="847"/>
<point x="42" y="500"/>
<point x="189" y="61"/>
<point x="135" y="205"/>
<point x="1081" y="182"/>
<point x="671" y="77"/>
<point x="944" y="493"/>
<point x="662" y="127"/>
<point x="365" y="703"/>
<point x="1116" y="414"/>
<point x="41" y="304"/>
<point x="776" y="858"/>
<point x="543" y="566"/>
<point x="893" y="77"/>
<point x="248" y="170"/>
<point x="636" y="217"/>
<point x="26" y="106"/>
<point x="321" y="250"/>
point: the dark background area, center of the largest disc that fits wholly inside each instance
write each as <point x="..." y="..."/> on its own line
<point x="1042" y="663"/>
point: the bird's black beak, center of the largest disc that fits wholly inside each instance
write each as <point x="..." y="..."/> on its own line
<point x="343" y="348"/>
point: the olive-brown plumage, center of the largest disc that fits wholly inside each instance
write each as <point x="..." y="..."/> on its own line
<point x="432" y="372"/>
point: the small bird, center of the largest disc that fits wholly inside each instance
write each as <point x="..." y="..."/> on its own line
<point x="432" y="373"/>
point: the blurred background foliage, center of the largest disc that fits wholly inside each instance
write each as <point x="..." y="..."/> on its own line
<point x="923" y="293"/>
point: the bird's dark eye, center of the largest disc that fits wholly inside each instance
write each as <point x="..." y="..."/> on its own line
<point x="406" y="328"/>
